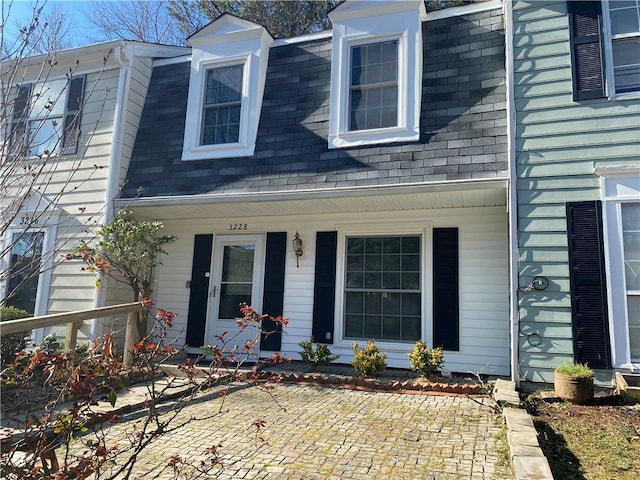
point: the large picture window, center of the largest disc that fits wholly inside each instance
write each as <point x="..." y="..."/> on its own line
<point x="374" y="86"/>
<point x="222" y="102"/>
<point x="382" y="288"/>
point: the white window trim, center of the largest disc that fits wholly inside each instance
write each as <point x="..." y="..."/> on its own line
<point x="193" y="150"/>
<point x="386" y="229"/>
<point x="618" y="186"/>
<point x="40" y="91"/>
<point x="49" y="228"/>
<point x="227" y="41"/>
<point x="608" y="56"/>
<point x="400" y="21"/>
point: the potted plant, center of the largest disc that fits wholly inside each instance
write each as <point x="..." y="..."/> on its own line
<point x="574" y="382"/>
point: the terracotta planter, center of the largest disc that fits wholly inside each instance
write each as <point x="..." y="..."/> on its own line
<point x="577" y="390"/>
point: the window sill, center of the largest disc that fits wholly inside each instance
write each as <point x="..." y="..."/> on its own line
<point x="374" y="137"/>
<point x="210" y="152"/>
<point x="384" y="345"/>
<point x="625" y="96"/>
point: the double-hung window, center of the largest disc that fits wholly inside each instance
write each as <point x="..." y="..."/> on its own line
<point x="624" y="21"/>
<point x="382" y="294"/>
<point x="46" y="117"/>
<point x="374" y="86"/>
<point x="376" y="73"/>
<point x="222" y="105"/>
<point x="229" y="60"/>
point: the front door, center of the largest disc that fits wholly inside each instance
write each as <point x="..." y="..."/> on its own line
<point x="237" y="276"/>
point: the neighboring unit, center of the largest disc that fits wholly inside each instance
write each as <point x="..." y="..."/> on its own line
<point x="381" y="144"/>
<point x="69" y="123"/>
<point x="577" y="155"/>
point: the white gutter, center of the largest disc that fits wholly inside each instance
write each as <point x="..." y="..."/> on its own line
<point x="313" y="194"/>
<point x="123" y="58"/>
<point x="512" y="201"/>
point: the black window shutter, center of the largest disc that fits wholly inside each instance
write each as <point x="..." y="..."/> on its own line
<point x="588" y="284"/>
<point x="73" y="114"/>
<point x="273" y="297"/>
<point x="324" y="293"/>
<point x="199" y="290"/>
<point x="446" y="306"/>
<point x="587" y="53"/>
<point x="18" y="140"/>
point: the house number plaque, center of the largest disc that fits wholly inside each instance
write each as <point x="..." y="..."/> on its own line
<point x="237" y="226"/>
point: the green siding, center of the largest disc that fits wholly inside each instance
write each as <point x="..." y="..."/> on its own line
<point x="559" y="142"/>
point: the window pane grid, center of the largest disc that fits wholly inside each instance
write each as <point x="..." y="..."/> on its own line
<point x="374" y="86"/>
<point x="625" y="31"/>
<point x="222" y="102"/>
<point x="382" y="292"/>
<point x="625" y="16"/>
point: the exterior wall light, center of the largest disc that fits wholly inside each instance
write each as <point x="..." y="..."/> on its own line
<point x="539" y="283"/>
<point x="297" y="248"/>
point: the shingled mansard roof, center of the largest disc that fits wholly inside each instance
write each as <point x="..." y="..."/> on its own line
<point x="462" y="122"/>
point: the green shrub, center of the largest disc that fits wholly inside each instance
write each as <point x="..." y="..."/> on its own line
<point x="369" y="360"/>
<point x="316" y="353"/>
<point x="424" y="360"/>
<point x="50" y="343"/>
<point x="580" y="370"/>
<point x="14" y="342"/>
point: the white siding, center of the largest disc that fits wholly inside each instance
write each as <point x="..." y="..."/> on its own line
<point x="141" y="69"/>
<point x="484" y="290"/>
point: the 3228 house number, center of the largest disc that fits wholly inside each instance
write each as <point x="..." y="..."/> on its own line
<point x="27" y="220"/>
<point x="237" y="226"/>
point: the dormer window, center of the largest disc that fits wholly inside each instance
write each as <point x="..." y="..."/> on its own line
<point x="222" y="102"/>
<point x="374" y="86"/>
<point x="228" y="71"/>
<point x="376" y="73"/>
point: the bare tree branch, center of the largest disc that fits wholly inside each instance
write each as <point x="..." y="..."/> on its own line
<point x="144" y="20"/>
<point x="43" y="151"/>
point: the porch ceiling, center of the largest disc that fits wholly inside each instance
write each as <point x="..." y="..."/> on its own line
<point x="354" y="200"/>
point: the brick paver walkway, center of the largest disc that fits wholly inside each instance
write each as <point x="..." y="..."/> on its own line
<point x="314" y="432"/>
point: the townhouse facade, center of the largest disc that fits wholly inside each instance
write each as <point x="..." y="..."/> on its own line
<point x="71" y="119"/>
<point x="381" y="145"/>
<point x="468" y="177"/>
<point x="577" y="162"/>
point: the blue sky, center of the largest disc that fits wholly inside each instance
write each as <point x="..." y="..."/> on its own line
<point x="21" y="13"/>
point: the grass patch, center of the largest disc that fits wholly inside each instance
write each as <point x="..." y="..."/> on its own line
<point x="503" y="465"/>
<point x="599" y="441"/>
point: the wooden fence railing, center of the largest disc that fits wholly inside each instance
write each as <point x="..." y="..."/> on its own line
<point x="74" y="321"/>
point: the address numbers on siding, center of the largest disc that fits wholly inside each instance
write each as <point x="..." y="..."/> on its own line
<point x="237" y="226"/>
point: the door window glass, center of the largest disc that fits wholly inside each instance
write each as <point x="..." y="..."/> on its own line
<point x="237" y="279"/>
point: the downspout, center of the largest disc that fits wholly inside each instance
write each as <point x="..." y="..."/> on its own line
<point x="115" y="158"/>
<point x="514" y="313"/>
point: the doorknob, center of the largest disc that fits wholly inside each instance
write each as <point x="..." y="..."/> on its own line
<point x="213" y="291"/>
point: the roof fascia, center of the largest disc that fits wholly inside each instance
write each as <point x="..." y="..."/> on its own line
<point x="313" y="194"/>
